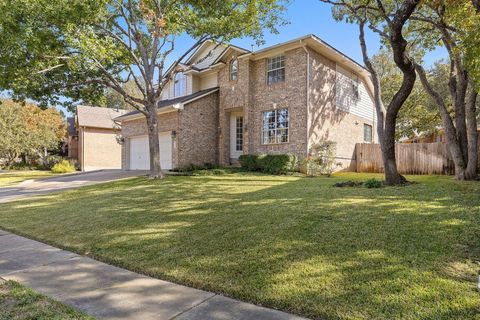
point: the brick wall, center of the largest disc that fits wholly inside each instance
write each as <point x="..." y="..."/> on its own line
<point x="197" y="132"/>
<point x="328" y="122"/>
<point x="290" y="94"/>
<point x="234" y="97"/>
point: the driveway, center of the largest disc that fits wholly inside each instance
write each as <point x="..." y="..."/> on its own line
<point x="42" y="186"/>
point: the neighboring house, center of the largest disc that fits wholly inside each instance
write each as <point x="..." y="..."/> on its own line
<point x="229" y="101"/>
<point x="438" y="136"/>
<point x="92" y="138"/>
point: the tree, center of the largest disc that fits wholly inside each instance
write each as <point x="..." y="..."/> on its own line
<point x="78" y="48"/>
<point x="418" y="114"/>
<point x="115" y="100"/>
<point x="29" y="130"/>
<point x="434" y="21"/>
<point x="388" y="19"/>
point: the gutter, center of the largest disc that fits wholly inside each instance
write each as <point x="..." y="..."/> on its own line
<point x="308" y="87"/>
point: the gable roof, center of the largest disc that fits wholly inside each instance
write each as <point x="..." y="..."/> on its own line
<point x="209" y="53"/>
<point x="97" y="117"/>
<point x="164" y="105"/>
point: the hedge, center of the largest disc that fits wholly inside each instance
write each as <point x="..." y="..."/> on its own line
<point x="269" y="163"/>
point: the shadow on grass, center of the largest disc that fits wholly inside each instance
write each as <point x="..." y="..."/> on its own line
<point x="293" y="243"/>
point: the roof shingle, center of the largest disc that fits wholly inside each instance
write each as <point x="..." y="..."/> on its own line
<point x="97" y="117"/>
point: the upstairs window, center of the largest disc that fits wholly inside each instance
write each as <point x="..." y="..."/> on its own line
<point x="180" y="85"/>
<point x="275" y="126"/>
<point x="234" y="70"/>
<point x="367" y="133"/>
<point x="276" y="69"/>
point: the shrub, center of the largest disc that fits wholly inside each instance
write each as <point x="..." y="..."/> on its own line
<point x="277" y="163"/>
<point x="373" y="183"/>
<point x="321" y="159"/>
<point x="249" y="162"/>
<point x="63" y="166"/>
<point x="269" y="163"/>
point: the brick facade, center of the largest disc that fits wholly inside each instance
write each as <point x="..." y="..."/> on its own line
<point x="195" y="130"/>
<point x="309" y="91"/>
<point x="328" y="122"/>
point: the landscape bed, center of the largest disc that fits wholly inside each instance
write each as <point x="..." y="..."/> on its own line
<point x="289" y="242"/>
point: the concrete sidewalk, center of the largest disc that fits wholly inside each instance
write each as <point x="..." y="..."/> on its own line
<point x="108" y="292"/>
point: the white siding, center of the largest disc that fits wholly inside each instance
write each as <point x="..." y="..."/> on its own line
<point x="348" y="100"/>
<point x="209" y="81"/>
<point x="195" y="84"/>
<point x="208" y="55"/>
<point x="169" y="92"/>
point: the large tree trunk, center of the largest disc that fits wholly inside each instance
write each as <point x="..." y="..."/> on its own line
<point x="471" y="172"/>
<point x="451" y="133"/>
<point x="392" y="176"/>
<point x="387" y="117"/>
<point x="152" y="125"/>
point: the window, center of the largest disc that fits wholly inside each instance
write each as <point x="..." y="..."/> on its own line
<point x="239" y="134"/>
<point x="367" y="133"/>
<point x="354" y="84"/>
<point x="276" y="69"/>
<point x="275" y="126"/>
<point x="234" y="69"/>
<point x="180" y="85"/>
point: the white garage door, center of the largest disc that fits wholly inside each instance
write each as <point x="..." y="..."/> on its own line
<point x="140" y="154"/>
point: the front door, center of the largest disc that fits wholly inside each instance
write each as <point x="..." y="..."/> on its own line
<point x="236" y="135"/>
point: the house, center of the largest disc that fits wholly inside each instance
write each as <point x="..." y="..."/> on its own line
<point x="438" y="136"/>
<point x="228" y="101"/>
<point x="92" y="138"/>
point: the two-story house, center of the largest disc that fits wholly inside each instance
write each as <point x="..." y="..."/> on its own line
<point x="229" y="101"/>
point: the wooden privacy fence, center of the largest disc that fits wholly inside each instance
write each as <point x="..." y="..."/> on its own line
<point x="412" y="158"/>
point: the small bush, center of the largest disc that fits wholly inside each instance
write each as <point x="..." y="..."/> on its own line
<point x="269" y="163"/>
<point x="321" y="159"/>
<point x="278" y="163"/>
<point x="63" y="166"/>
<point x="250" y="162"/>
<point x="20" y="166"/>
<point x="349" y="183"/>
<point x="373" y="183"/>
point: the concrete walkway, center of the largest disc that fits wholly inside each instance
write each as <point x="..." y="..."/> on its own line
<point x="108" y="292"/>
<point x="30" y="188"/>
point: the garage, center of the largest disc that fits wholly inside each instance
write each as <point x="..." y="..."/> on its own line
<point x="140" y="156"/>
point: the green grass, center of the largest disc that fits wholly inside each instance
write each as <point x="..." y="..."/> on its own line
<point x="289" y="242"/>
<point x="11" y="178"/>
<point x="18" y="302"/>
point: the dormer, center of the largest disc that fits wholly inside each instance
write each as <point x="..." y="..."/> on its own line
<point x="200" y="70"/>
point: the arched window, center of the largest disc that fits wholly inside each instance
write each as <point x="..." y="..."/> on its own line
<point x="180" y="85"/>
<point x="234" y="69"/>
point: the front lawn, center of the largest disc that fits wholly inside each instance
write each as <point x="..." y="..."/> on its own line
<point x="11" y="178"/>
<point x="18" y="302"/>
<point x="293" y="243"/>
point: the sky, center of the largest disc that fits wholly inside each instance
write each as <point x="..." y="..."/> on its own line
<point x="311" y="17"/>
<point x="314" y="17"/>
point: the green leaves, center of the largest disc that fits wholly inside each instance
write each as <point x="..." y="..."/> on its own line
<point x="56" y="49"/>
<point x="28" y="129"/>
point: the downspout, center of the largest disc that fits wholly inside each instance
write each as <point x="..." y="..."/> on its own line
<point x="307" y="92"/>
<point x="83" y="148"/>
